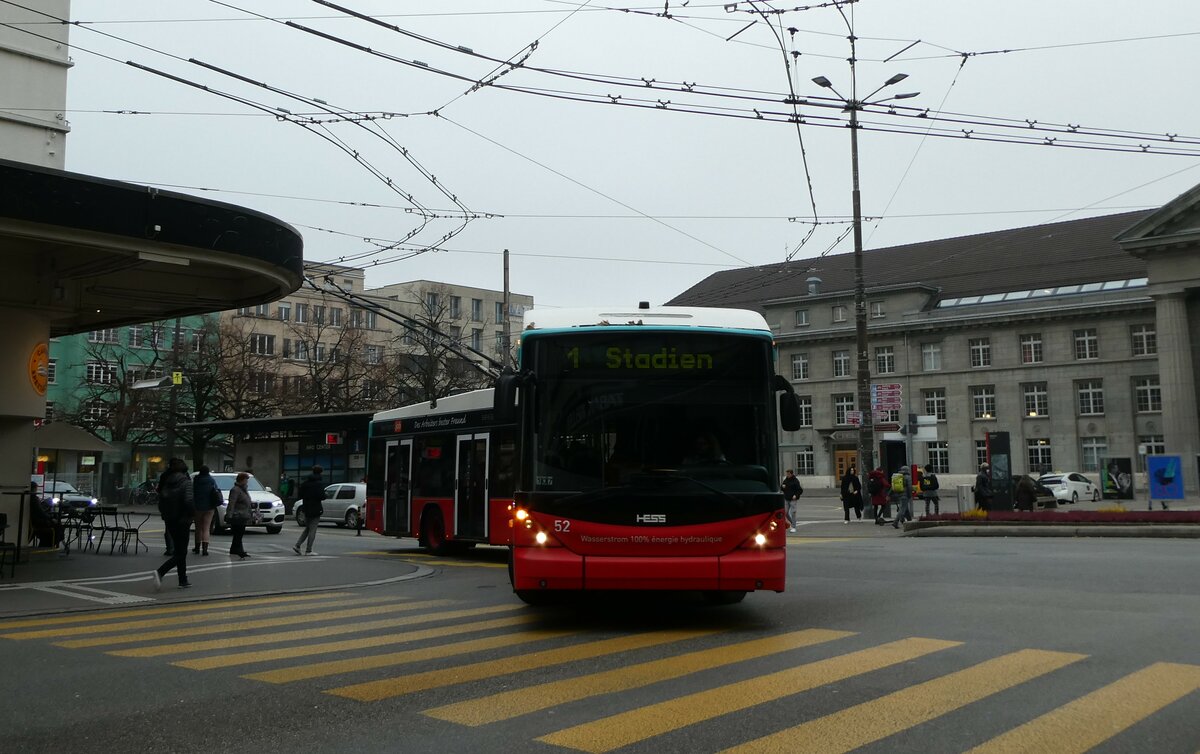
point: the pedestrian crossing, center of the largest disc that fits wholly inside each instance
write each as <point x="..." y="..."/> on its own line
<point x="573" y="686"/>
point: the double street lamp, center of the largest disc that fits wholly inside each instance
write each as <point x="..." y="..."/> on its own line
<point x="852" y="104"/>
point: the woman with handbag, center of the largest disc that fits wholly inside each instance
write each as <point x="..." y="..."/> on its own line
<point x="239" y="513"/>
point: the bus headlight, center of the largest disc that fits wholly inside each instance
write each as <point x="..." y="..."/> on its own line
<point x="760" y="539"/>
<point x="521" y="514"/>
<point x="540" y="537"/>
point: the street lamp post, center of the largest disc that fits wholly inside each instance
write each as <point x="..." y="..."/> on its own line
<point x="866" y="430"/>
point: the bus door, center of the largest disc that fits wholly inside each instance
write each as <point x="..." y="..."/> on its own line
<point x="397" y="501"/>
<point x="471" y="486"/>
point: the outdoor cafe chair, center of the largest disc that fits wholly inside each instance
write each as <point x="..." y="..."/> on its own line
<point x="107" y="524"/>
<point x="8" y="550"/>
<point x="131" y="531"/>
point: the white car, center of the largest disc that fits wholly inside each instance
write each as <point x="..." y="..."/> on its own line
<point x="343" y="504"/>
<point x="268" y="512"/>
<point x="1070" y="487"/>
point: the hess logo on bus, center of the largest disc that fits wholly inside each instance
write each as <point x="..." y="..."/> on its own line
<point x="650" y="518"/>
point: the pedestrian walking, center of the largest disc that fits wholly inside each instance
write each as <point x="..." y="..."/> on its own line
<point x="1025" y="493"/>
<point x="311" y="493"/>
<point x="983" y="487"/>
<point x="239" y="513"/>
<point x="901" y="494"/>
<point x="207" y="498"/>
<point x="929" y="489"/>
<point x="877" y="488"/>
<point x="792" y="490"/>
<point x="851" y="494"/>
<point x="176" y="505"/>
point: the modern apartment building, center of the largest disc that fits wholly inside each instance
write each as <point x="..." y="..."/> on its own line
<point x="1077" y="338"/>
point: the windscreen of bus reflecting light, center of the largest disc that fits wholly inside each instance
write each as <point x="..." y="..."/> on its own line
<point x="681" y="419"/>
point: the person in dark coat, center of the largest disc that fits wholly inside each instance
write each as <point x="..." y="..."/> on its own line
<point x="791" y="495"/>
<point x="175" y="503"/>
<point x="983" y="487"/>
<point x="1025" y="494"/>
<point x="851" y="494"/>
<point x="929" y="489"/>
<point x="877" y="488"/>
<point x="239" y="513"/>
<point x="311" y="493"/>
<point x="207" y="498"/>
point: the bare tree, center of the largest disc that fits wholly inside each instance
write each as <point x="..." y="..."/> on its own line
<point x="108" y="405"/>
<point x="424" y="363"/>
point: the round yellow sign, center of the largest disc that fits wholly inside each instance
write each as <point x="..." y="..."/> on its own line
<point x="39" y="367"/>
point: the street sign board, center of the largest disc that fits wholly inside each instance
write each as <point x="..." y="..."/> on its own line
<point x="885" y="386"/>
<point x="891" y="427"/>
<point x="854" y="418"/>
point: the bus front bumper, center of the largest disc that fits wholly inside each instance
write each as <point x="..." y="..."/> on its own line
<point x="556" y="568"/>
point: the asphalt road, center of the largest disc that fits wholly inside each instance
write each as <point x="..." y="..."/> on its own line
<point x="882" y="643"/>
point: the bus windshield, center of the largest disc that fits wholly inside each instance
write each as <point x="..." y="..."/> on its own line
<point x="664" y="413"/>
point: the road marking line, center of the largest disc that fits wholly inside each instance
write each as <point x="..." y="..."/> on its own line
<point x="901" y="710"/>
<point x="819" y="540"/>
<point x="140" y="612"/>
<point x="96" y="595"/>
<point x="387" y="688"/>
<point x="350" y="645"/>
<point x="225" y="628"/>
<point x="1093" y="719"/>
<point x="178" y="620"/>
<point x="510" y="704"/>
<point x="305" y="634"/>
<point x="335" y="667"/>
<point x="626" y="728"/>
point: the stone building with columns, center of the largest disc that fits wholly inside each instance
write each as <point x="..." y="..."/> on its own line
<point x="1076" y="338"/>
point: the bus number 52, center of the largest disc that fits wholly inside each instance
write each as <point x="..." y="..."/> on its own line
<point x="561" y="525"/>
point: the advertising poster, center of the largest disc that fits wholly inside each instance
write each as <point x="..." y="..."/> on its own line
<point x="1116" y="479"/>
<point x="1165" y="475"/>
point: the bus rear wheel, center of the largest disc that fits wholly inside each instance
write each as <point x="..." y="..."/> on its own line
<point x="433" y="532"/>
<point x="724" y="598"/>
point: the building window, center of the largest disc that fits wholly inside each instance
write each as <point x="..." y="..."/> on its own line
<point x="981" y="453"/>
<point x="839" y="313"/>
<point x="802" y="318"/>
<point x="476" y="339"/>
<point x="476" y="310"/>
<point x="263" y="345"/>
<point x="137" y="336"/>
<point x="158" y="336"/>
<point x="1144" y="340"/>
<point x="431" y="301"/>
<point x="97" y="411"/>
<point x="1155" y="446"/>
<point x="49" y="412"/>
<point x="52" y="372"/>
<point x="1040" y="461"/>
<point x="318" y="352"/>
<point x="842" y="403"/>
<point x="981" y="352"/>
<point x="1091" y="397"/>
<point x="841" y="363"/>
<point x="877" y="310"/>
<point x="799" y="366"/>
<point x="197" y="341"/>
<point x="318" y="314"/>
<point x="1147" y="394"/>
<point x="262" y="310"/>
<point x="1087" y="344"/>
<point x="301" y="313"/>
<point x="243" y="311"/>
<point x="372" y="390"/>
<point x="262" y="384"/>
<point x="1031" y="349"/>
<point x="983" y="402"/>
<point x="499" y="341"/>
<point x="499" y="312"/>
<point x="1095" y="450"/>
<point x="335" y="316"/>
<point x="806" y="410"/>
<point x="805" y="465"/>
<point x="101" y="372"/>
<point x="931" y="357"/>
<point x="111" y="335"/>
<point x="939" y="456"/>
<point x="885" y="360"/>
<point x="1037" y="399"/>
<point x="887" y="416"/>
<point x="455" y="307"/>
<point x="935" y="403"/>
<point x="283" y="311"/>
<point x="301" y="352"/>
<point x="374" y="354"/>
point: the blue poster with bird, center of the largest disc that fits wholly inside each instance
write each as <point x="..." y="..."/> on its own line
<point x="1166" y="477"/>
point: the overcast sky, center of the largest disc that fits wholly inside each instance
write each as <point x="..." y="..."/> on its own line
<point x="604" y="203"/>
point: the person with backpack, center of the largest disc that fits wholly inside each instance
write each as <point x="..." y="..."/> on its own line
<point x="901" y="494"/>
<point x="929" y="489"/>
<point x="983" y="487"/>
<point x="791" y="495"/>
<point x="311" y="493"/>
<point x="176" y="504"/>
<point x="877" y="488"/>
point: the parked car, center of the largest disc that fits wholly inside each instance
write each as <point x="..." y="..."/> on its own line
<point x="1071" y="487"/>
<point x="63" y="496"/>
<point x="268" y="507"/>
<point x="343" y="504"/>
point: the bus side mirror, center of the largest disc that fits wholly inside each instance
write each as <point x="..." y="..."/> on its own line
<point x="504" y="397"/>
<point x="789" y="404"/>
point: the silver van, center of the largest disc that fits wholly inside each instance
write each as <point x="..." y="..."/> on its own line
<point x="343" y="504"/>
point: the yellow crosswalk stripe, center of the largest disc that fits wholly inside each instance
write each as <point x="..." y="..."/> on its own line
<point x="213" y="614"/>
<point x="225" y="628"/>
<point x="1093" y="719"/>
<point x="191" y="607"/>
<point x="372" y="662"/>
<point x="636" y="725"/>
<point x="304" y="634"/>
<point x="349" y="645"/>
<point x="387" y="688"/>
<point x="877" y="719"/>
<point x="510" y="704"/>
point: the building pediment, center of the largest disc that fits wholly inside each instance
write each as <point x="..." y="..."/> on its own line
<point x="1176" y="225"/>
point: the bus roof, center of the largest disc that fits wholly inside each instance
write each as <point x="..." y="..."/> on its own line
<point x="656" y="316"/>
<point x="451" y="404"/>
